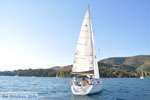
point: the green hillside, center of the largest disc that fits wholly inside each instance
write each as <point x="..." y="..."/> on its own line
<point x="137" y="61"/>
<point x="134" y="61"/>
<point x="133" y="64"/>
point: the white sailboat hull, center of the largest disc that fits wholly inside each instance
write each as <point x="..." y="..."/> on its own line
<point x="141" y="77"/>
<point x="89" y="89"/>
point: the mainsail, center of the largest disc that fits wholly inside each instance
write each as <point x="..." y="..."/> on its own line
<point x="85" y="56"/>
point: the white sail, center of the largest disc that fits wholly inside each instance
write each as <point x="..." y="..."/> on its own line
<point x="85" y="56"/>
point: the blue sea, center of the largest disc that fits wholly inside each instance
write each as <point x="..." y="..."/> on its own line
<point x="59" y="88"/>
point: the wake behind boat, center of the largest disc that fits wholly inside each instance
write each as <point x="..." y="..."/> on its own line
<point x="85" y="62"/>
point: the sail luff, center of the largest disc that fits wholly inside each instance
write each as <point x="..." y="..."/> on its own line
<point x="96" y="70"/>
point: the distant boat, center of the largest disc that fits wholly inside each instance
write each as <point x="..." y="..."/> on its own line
<point x="85" y="63"/>
<point x="145" y="74"/>
<point x="57" y="74"/>
<point x="16" y="76"/>
<point x="141" y="76"/>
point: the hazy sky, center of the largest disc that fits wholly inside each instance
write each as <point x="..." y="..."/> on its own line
<point x="44" y="33"/>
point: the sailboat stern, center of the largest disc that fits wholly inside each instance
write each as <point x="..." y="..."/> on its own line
<point x="79" y="90"/>
<point x="89" y="89"/>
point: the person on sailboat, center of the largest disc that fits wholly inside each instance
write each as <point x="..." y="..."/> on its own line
<point x="75" y="81"/>
<point x="84" y="82"/>
<point x="90" y="80"/>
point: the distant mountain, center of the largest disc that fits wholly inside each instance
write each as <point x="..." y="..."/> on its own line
<point x="132" y="63"/>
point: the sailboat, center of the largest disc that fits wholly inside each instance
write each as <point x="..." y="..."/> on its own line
<point x="141" y="77"/>
<point x="85" y="63"/>
<point x="17" y="75"/>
